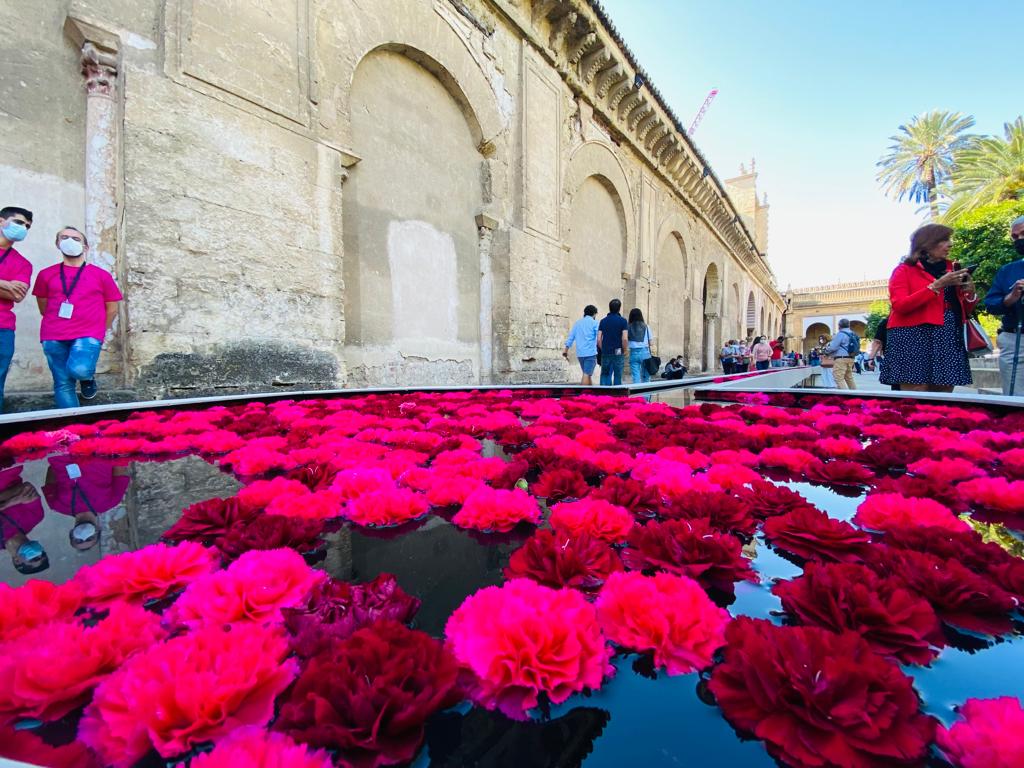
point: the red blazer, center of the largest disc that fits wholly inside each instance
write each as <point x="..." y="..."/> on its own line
<point x="914" y="303"/>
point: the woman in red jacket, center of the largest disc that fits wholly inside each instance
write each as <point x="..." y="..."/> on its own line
<point x="931" y="300"/>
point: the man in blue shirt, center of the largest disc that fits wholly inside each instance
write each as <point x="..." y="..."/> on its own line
<point x="1004" y="298"/>
<point x="584" y="336"/>
<point x="611" y="342"/>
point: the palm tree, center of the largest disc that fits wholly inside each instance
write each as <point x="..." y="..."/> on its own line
<point x="990" y="170"/>
<point x="921" y="156"/>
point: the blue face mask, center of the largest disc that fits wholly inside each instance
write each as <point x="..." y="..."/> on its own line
<point x="30" y="550"/>
<point x="14" y="231"/>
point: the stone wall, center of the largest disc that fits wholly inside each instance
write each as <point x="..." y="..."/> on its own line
<point x="314" y="193"/>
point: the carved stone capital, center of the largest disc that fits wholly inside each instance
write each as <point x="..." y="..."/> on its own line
<point x="99" y="68"/>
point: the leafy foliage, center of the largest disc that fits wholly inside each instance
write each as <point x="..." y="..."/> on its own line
<point x="989" y="170"/>
<point x="982" y="237"/>
<point x="878" y="311"/>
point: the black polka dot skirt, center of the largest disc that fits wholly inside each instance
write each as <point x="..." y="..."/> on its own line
<point x="927" y="354"/>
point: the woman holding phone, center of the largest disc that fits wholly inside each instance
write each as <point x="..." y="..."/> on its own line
<point x="931" y="298"/>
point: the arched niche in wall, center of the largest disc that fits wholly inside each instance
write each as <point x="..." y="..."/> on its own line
<point x="672" y="324"/>
<point x="751" y="315"/>
<point x="711" y="298"/>
<point x="412" y="261"/>
<point x="814" y="330"/>
<point x="597" y="242"/>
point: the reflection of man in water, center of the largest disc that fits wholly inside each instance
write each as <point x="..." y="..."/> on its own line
<point x="21" y="510"/>
<point x="84" y="491"/>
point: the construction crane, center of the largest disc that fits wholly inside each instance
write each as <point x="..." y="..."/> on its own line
<point x="703" y="110"/>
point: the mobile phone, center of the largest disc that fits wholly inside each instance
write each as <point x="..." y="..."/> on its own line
<point x="970" y="269"/>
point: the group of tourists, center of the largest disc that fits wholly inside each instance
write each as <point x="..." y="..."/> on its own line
<point x="77" y="302"/>
<point x="607" y="342"/>
<point x="757" y="353"/>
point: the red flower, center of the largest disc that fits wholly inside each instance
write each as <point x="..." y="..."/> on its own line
<point x="564" y="561"/>
<point x="36" y="602"/>
<point x="450" y="491"/>
<point x="997" y="494"/>
<point x="51" y="670"/>
<point x="640" y="498"/>
<point x="837" y="447"/>
<point x="767" y="499"/>
<point x="892" y="452"/>
<point x="881" y="511"/>
<point x="272" y="532"/>
<point x="810" y="534"/>
<point x="592" y="517"/>
<point x="960" y="597"/>
<point x="252" y="459"/>
<point x="948" y="470"/>
<point x="369" y="696"/>
<point x="558" y="484"/>
<point x="521" y="639"/>
<point x="152" y="572"/>
<point x="194" y="688"/>
<point x="689" y="548"/>
<point x="892" y="619"/>
<point x="209" y="520"/>
<point x="254" y="589"/>
<point x="793" y="459"/>
<point x="489" y="509"/>
<point x="819" y="698"/>
<point x="261" y="493"/>
<point x="990" y="734"/>
<point x="336" y="609"/>
<point x="669" y="615"/>
<point x="253" y="747"/>
<point x="839" y="473"/>
<point x="923" y="488"/>
<point x="726" y="513"/>
<point x="386" y="506"/>
<point x="26" y="747"/>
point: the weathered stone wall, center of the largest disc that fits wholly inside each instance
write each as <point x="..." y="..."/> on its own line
<point x="322" y="192"/>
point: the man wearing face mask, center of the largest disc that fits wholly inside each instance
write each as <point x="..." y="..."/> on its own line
<point x="1004" y="298"/>
<point x="15" y="277"/>
<point x="78" y="302"/>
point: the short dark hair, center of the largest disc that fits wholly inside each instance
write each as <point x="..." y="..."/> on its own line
<point x="614" y="305"/>
<point x="844" y="323"/>
<point x="781" y="338"/>
<point x="10" y="210"/>
<point x="590" y="310"/>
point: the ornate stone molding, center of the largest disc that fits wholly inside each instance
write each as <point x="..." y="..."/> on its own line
<point x="99" y="67"/>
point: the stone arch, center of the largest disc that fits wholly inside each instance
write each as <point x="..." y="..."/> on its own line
<point x="763" y="327"/>
<point x="751" y="315"/>
<point x="735" y="310"/>
<point x="596" y="159"/>
<point x="412" y="253"/>
<point x="671" y="273"/>
<point x="596" y="256"/>
<point x="711" y="300"/>
<point x="861" y="329"/>
<point x="814" y="330"/>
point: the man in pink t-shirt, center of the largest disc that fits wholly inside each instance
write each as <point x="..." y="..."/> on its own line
<point x="78" y="302"/>
<point x="15" y="277"/>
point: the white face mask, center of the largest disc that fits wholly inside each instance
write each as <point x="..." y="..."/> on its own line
<point x="71" y="248"/>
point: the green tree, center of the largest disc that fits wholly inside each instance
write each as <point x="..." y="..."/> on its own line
<point x="989" y="170"/>
<point x="921" y="156"/>
<point x="982" y="236"/>
<point x="878" y="311"/>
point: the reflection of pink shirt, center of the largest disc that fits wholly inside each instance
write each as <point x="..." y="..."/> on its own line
<point x="19" y="518"/>
<point x="14" y="267"/>
<point x="101" y="486"/>
<point x="89" y="319"/>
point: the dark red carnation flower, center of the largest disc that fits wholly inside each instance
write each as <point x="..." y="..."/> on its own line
<point x="811" y="534"/>
<point x="557" y="484"/>
<point x="28" y="748"/>
<point x="959" y="596"/>
<point x="272" y="532"/>
<point x="819" y="698"/>
<point x="839" y="473"/>
<point x="510" y="474"/>
<point x="335" y="609"/>
<point x="727" y="513"/>
<point x="923" y="488"/>
<point x="558" y="560"/>
<point x="209" y="520"/>
<point x="639" y="498"/>
<point x="966" y="547"/>
<point x="689" y="548"/>
<point x="890" y="452"/>
<point x="893" y="620"/>
<point x="1009" y="575"/>
<point x="368" y="696"/>
<point x="766" y="499"/>
<point x="315" y="476"/>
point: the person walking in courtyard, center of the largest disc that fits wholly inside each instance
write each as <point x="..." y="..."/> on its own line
<point x="762" y="353"/>
<point x="15" y="278"/>
<point x="639" y="339"/>
<point x="843" y="348"/>
<point x="78" y="302"/>
<point x="584" y="336"/>
<point x="612" y="335"/>
<point x="778" y="346"/>
<point x="931" y="301"/>
<point x="1004" y="299"/>
<point x="728" y="357"/>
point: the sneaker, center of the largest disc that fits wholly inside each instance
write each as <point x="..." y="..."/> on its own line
<point x="89" y="389"/>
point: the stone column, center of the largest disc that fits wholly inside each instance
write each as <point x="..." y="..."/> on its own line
<point x="710" y="341"/>
<point x="485" y="225"/>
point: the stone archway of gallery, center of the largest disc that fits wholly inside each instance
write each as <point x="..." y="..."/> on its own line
<point x="813" y="332"/>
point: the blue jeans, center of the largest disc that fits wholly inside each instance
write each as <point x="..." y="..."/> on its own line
<point x="6" y="353"/>
<point x="71" y="362"/>
<point x="611" y="368"/>
<point x="636" y="365"/>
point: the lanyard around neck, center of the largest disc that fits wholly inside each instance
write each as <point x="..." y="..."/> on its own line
<point x="74" y="281"/>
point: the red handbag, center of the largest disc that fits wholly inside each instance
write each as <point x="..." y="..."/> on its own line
<point x="976" y="341"/>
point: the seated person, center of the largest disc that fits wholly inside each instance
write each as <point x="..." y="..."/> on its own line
<point x="674" y="369"/>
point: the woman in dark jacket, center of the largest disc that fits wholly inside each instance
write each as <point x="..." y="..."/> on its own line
<point x="931" y="300"/>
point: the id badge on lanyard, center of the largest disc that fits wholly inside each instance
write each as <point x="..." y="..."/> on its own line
<point x="66" y="310"/>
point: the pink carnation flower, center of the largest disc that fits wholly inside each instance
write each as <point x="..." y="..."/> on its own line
<point x="36" y="602"/>
<point x="451" y="491"/>
<point x="321" y="505"/>
<point x="521" y="639"/>
<point x="195" y="688"/>
<point x="994" y="493"/>
<point x="989" y="735"/>
<point x="489" y="509"/>
<point x="152" y="572"/>
<point x="881" y="511"/>
<point x="793" y="459"/>
<point x="254" y="747"/>
<point x="258" y="495"/>
<point x="353" y="483"/>
<point x="948" y="470"/>
<point x="386" y="506"/>
<point x="669" y="615"/>
<point x="254" y="589"/>
<point x="597" y="518"/>
<point x="251" y="460"/>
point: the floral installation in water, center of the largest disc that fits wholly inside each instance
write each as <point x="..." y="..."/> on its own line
<point x="608" y="523"/>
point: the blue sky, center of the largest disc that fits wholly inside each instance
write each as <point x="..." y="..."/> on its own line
<point x="813" y="90"/>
